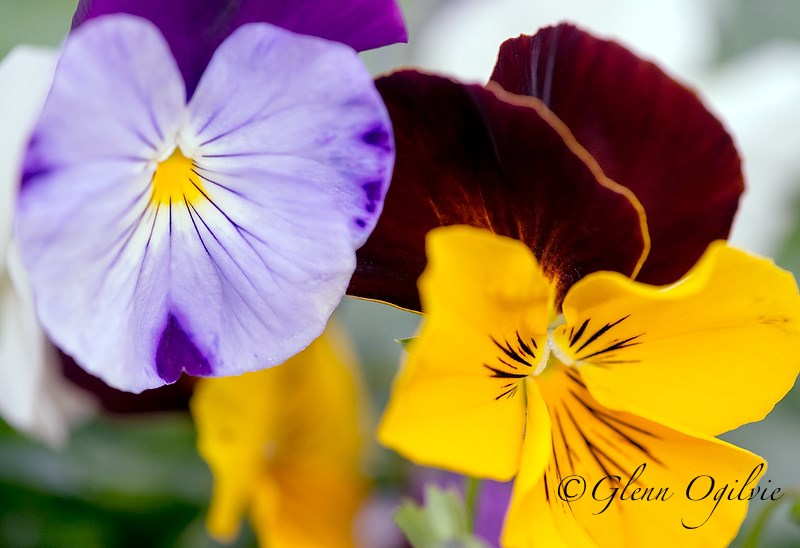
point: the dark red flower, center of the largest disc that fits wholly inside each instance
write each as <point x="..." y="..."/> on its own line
<point x="571" y="146"/>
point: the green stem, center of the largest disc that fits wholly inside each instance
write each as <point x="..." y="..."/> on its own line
<point x="471" y="489"/>
<point x="754" y="538"/>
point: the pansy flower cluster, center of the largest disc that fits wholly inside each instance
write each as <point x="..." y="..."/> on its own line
<point x="207" y="180"/>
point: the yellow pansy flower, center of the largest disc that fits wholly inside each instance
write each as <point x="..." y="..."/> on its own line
<point x="285" y="447"/>
<point x="605" y="413"/>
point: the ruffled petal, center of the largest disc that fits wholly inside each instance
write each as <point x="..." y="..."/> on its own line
<point x="614" y="479"/>
<point x="226" y="253"/>
<point x="34" y="397"/>
<point x="195" y="29"/>
<point x="256" y="115"/>
<point x="25" y="77"/>
<point x="684" y="169"/>
<point x="282" y="445"/>
<point x="466" y="155"/>
<point x="98" y="269"/>
<point x="461" y="38"/>
<point x="722" y="342"/>
<point x="457" y="403"/>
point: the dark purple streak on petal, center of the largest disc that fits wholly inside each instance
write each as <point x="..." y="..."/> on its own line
<point x="176" y="353"/>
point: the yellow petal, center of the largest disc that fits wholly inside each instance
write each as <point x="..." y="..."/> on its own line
<point x="235" y="421"/>
<point x="315" y="506"/>
<point x="457" y="402"/>
<point x="284" y="445"/>
<point x="537" y="445"/>
<point x="655" y="502"/>
<point x="714" y="351"/>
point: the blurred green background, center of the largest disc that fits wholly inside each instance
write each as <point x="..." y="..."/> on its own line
<point x="126" y="481"/>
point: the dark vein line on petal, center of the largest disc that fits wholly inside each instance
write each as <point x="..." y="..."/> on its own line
<point x="570" y="452"/>
<point x="509" y="393"/>
<point x="223" y="247"/>
<point x="244" y="325"/>
<point x="524" y="347"/>
<point x="500" y="374"/>
<point x="550" y="67"/>
<point x="605" y="420"/>
<point x="536" y="51"/>
<point x="272" y="249"/>
<point x="209" y="121"/>
<point x="144" y="254"/>
<point x="608" y="415"/>
<point x="243" y="234"/>
<point x="600" y="332"/>
<point x="617" y="345"/>
<point x="128" y="234"/>
<point x="222" y="273"/>
<point x="578" y="335"/>
<point x="220" y="185"/>
<point x="559" y="475"/>
<point x="260" y="117"/>
<point x="546" y="488"/>
<point x="593" y="450"/>
<point x="142" y="97"/>
<point x="511" y="353"/>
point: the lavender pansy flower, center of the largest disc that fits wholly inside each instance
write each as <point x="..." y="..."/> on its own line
<point x="195" y="29"/>
<point x="213" y="235"/>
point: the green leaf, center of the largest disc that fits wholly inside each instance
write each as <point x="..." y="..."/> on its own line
<point x="794" y="512"/>
<point x="441" y="523"/>
<point x="405" y="342"/>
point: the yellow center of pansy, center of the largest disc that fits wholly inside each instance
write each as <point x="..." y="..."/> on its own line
<point x="176" y="181"/>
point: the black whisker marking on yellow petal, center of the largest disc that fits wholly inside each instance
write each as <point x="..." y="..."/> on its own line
<point x="546" y="489"/>
<point x="516" y="356"/>
<point x="579" y="334"/>
<point x="512" y="366"/>
<point x="570" y="452"/>
<point x="613" y="362"/>
<point x="500" y="374"/>
<point x="511" y="353"/>
<point x="574" y="378"/>
<point x="615" y="345"/>
<point x="600" y="332"/>
<point x="595" y="451"/>
<point x="524" y="348"/>
<point x="606" y="419"/>
<point x="509" y="393"/>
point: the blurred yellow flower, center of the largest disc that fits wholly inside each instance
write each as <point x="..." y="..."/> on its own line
<point x="285" y="447"/>
<point x="605" y="413"/>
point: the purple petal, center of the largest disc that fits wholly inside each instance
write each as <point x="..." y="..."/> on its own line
<point x="194" y="29"/>
<point x="82" y="221"/>
<point x="325" y="124"/>
<point x="490" y="515"/>
<point x="240" y="267"/>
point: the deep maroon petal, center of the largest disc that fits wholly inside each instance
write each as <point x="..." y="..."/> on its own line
<point x="646" y="131"/>
<point x="194" y="28"/>
<point x="467" y="156"/>
<point x="172" y="397"/>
